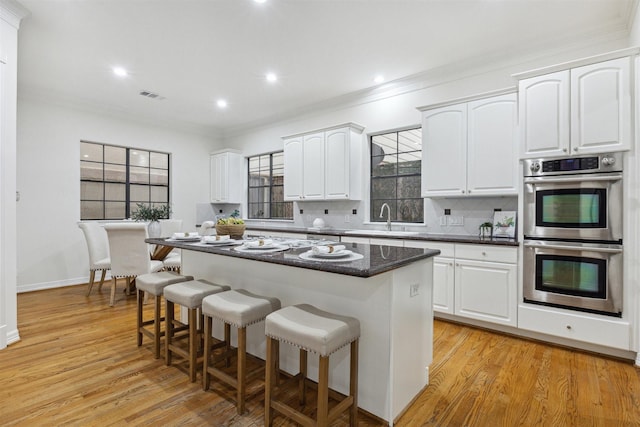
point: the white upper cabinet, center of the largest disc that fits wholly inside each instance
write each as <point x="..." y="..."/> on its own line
<point x="601" y="107"/>
<point x="583" y="110"/>
<point x="324" y="165"/>
<point x="544" y="115"/>
<point x="469" y="149"/>
<point x="492" y="167"/>
<point x="444" y="146"/>
<point x="226" y="169"/>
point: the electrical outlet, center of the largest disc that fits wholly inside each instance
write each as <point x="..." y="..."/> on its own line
<point x="346" y="218"/>
<point x="456" y="220"/>
<point x="414" y="289"/>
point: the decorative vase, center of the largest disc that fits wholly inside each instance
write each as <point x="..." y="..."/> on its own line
<point x="153" y="228"/>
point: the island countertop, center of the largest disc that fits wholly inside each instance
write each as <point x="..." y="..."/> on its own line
<point x="376" y="259"/>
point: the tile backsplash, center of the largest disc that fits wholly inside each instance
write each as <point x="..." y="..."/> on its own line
<point x="470" y="211"/>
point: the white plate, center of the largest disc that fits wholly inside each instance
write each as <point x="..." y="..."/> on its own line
<point x="220" y="242"/>
<point x="339" y="254"/>
<point x="186" y="239"/>
<point x="263" y="247"/>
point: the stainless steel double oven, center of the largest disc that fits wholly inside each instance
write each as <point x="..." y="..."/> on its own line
<point x="573" y="233"/>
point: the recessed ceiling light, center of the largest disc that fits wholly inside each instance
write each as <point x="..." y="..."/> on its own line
<point x="378" y="79"/>
<point x="260" y="1"/>
<point x="120" y="72"/>
<point x="271" y="77"/>
<point x="221" y="103"/>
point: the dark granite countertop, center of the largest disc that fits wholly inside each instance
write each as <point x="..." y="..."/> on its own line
<point x="451" y="238"/>
<point x="376" y="259"/>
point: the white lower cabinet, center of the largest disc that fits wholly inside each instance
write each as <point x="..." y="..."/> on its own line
<point x="608" y="332"/>
<point x="475" y="281"/>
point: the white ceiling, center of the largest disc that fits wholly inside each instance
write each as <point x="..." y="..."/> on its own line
<point x="192" y="52"/>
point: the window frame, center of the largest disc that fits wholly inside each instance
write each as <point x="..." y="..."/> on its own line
<point x="374" y="216"/>
<point x="270" y="186"/>
<point x="128" y="182"/>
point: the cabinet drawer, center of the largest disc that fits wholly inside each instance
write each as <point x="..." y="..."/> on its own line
<point x="609" y="333"/>
<point x="446" y="249"/>
<point x="487" y="253"/>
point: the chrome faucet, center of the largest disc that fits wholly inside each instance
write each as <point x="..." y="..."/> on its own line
<point x="388" y="215"/>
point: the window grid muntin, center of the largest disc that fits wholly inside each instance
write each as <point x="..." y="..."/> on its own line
<point x="128" y="204"/>
<point x="396" y="149"/>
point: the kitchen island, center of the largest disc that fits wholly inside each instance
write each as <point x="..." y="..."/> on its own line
<point x="389" y="290"/>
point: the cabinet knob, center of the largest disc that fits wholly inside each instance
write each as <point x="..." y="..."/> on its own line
<point x="564" y="150"/>
<point x="569" y="327"/>
<point x="575" y="149"/>
<point x="468" y="191"/>
<point x="484" y="253"/>
<point x="462" y="191"/>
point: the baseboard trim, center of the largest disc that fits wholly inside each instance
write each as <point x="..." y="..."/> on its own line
<point x="58" y="284"/>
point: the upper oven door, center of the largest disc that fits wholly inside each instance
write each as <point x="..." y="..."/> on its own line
<point x="581" y="207"/>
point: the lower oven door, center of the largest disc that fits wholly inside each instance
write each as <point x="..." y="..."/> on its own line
<point x="577" y="276"/>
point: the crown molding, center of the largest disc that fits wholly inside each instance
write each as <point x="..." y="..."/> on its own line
<point x="13" y="12"/>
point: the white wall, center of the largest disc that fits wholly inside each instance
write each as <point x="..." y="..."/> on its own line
<point x="634" y="34"/>
<point x="51" y="249"/>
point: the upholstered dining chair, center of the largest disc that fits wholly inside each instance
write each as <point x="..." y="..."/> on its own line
<point x="173" y="261"/>
<point x="129" y="254"/>
<point x="98" y="246"/>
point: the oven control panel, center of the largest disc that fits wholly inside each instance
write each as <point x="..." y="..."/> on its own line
<point x="572" y="165"/>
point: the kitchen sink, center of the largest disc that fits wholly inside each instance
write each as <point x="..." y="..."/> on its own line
<point x="392" y="233"/>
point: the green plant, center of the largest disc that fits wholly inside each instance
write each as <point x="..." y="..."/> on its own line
<point x="235" y="214"/>
<point x="486" y="224"/>
<point x="151" y="213"/>
<point x="507" y="222"/>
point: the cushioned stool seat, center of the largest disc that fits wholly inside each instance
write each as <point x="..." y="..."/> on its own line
<point x="239" y="308"/>
<point x="154" y="284"/>
<point x="311" y="329"/>
<point x="189" y="295"/>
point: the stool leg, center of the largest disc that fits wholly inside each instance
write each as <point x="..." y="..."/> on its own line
<point x="353" y="384"/>
<point x="207" y="352"/>
<point x="302" y="390"/>
<point x="193" y="343"/>
<point x="242" y="368"/>
<point x="269" y="380"/>
<point x="323" y="392"/>
<point x="104" y="274"/>
<point x="156" y="323"/>
<point x="113" y="291"/>
<point x="139" y="314"/>
<point x="227" y="342"/>
<point x="168" y="330"/>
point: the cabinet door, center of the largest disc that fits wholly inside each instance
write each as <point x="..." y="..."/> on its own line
<point x="218" y="171"/>
<point x="544" y="115"/>
<point x="336" y="179"/>
<point x="443" y="284"/>
<point x="492" y="146"/>
<point x="293" y="163"/>
<point x="601" y="107"/>
<point x="486" y="291"/>
<point x="444" y="147"/>
<point x="313" y="166"/>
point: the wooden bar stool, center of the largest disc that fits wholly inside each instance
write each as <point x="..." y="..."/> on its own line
<point x="154" y="284"/>
<point x="238" y="308"/>
<point x="190" y="295"/>
<point x="310" y="329"/>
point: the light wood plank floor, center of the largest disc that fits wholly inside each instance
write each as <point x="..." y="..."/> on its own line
<point x="78" y="364"/>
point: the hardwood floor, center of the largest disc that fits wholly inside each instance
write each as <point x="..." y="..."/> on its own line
<point x="78" y="364"/>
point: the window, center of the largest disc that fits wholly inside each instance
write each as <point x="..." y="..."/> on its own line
<point x="396" y="159"/>
<point x="114" y="179"/>
<point x="266" y="187"/>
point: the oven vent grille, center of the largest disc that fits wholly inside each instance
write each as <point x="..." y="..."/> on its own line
<point x="151" y="95"/>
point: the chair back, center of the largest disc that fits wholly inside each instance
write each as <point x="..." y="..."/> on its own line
<point x="129" y="252"/>
<point x="170" y="226"/>
<point x="97" y="242"/>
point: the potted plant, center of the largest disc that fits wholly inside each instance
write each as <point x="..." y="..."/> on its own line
<point x="486" y="229"/>
<point x="233" y="226"/>
<point x="152" y="214"/>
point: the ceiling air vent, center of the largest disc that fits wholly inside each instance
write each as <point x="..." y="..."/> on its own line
<point x="151" y="95"/>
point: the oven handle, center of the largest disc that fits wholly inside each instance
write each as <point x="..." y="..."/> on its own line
<point x="573" y="248"/>
<point x="582" y="178"/>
